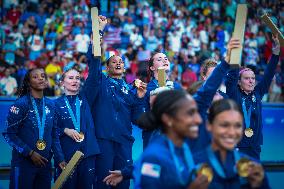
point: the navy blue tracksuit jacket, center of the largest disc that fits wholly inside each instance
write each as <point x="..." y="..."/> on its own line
<point x="232" y="180"/>
<point x="22" y="134"/>
<point x="114" y="109"/>
<point x="251" y="146"/>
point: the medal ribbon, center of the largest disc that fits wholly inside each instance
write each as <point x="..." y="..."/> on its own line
<point x="76" y="123"/>
<point x="215" y="163"/>
<point x="237" y="158"/>
<point x="188" y="159"/>
<point x="247" y="114"/>
<point x="41" y="123"/>
<point x="217" y="166"/>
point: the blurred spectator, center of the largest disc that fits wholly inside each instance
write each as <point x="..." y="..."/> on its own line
<point x="13" y="14"/>
<point x="152" y="41"/>
<point x="9" y="49"/>
<point x="52" y="70"/>
<point x="128" y="27"/>
<point x="188" y="32"/>
<point x="17" y="36"/>
<point x="136" y="38"/>
<point x="188" y="78"/>
<point x="82" y="42"/>
<point x="35" y="43"/>
<point x="8" y="84"/>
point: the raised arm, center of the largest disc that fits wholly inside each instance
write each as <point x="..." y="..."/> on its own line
<point x="266" y="80"/>
<point x="91" y="86"/>
<point x="231" y="80"/>
<point x="205" y="94"/>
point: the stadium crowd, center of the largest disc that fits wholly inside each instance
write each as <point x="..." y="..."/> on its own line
<point x="55" y="35"/>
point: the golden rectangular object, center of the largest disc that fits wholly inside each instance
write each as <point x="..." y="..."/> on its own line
<point x="239" y="32"/>
<point x="95" y="30"/>
<point x="161" y="77"/>
<point x="267" y="20"/>
<point x="70" y="167"/>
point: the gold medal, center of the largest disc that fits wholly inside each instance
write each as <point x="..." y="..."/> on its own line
<point x="206" y="170"/>
<point x="82" y="137"/>
<point x="137" y="83"/>
<point x="40" y="144"/>
<point x="243" y="167"/>
<point x="248" y="132"/>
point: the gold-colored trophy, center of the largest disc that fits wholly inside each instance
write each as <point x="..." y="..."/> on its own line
<point x="95" y="30"/>
<point x="68" y="171"/>
<point x="161" y="77"/>
<point x="267" y="20"/>
<point x="243" y="167"/>
<point x="239" y="32"/>
<point x="205" y="170"/>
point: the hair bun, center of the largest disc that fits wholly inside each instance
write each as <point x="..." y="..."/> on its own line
<point x="147" y="121"/>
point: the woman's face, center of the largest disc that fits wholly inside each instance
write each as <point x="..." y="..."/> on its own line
<point x="160" y="60"/>
<point x="247" y="81"/>
<point x="71" y="81"/>
<point x="38" y="80"/>
<point x="115" y="66"/>
<point x="226" y="129"/>
<point x="187" y="119"/>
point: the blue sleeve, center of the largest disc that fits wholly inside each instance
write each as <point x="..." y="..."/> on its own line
<point x="138" y="108"/>
<point x="266" y="80"/>
<point x="205" y="94"/>
<point x="91" y="86"/>
<point x="56" y="147"/>
<point x="16" y="116"/>
<point x="147" y="180"/>
<point x="127" y="171"/>
<point x="231" y="82"/>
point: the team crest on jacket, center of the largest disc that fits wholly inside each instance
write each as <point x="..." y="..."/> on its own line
<point x="253" y="98"/>
<point x="14" y="109"/>
<point x="124" y="90"/>
<point x="47" y="110"/>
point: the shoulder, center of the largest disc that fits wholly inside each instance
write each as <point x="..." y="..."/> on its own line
<point x="151" y="85"/>
<point x="22" y="102"/>
<point x="50" y="101"/>
<point x="58" y="100"/>
<point x="50" y="105"/>
<point x="20" y="105"/>
<point x="153" y="152"/>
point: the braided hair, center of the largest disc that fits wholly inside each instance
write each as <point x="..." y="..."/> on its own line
<point x="26" y="87"/>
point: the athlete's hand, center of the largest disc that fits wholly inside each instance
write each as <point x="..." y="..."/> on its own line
<point x="114" y="178"/>
<point x="233" y="43"/>
<point x="72" y="133"/>
<point x="201" y="182"/>
<point x="37" y="159"/>
<point x="256" y="174"/>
